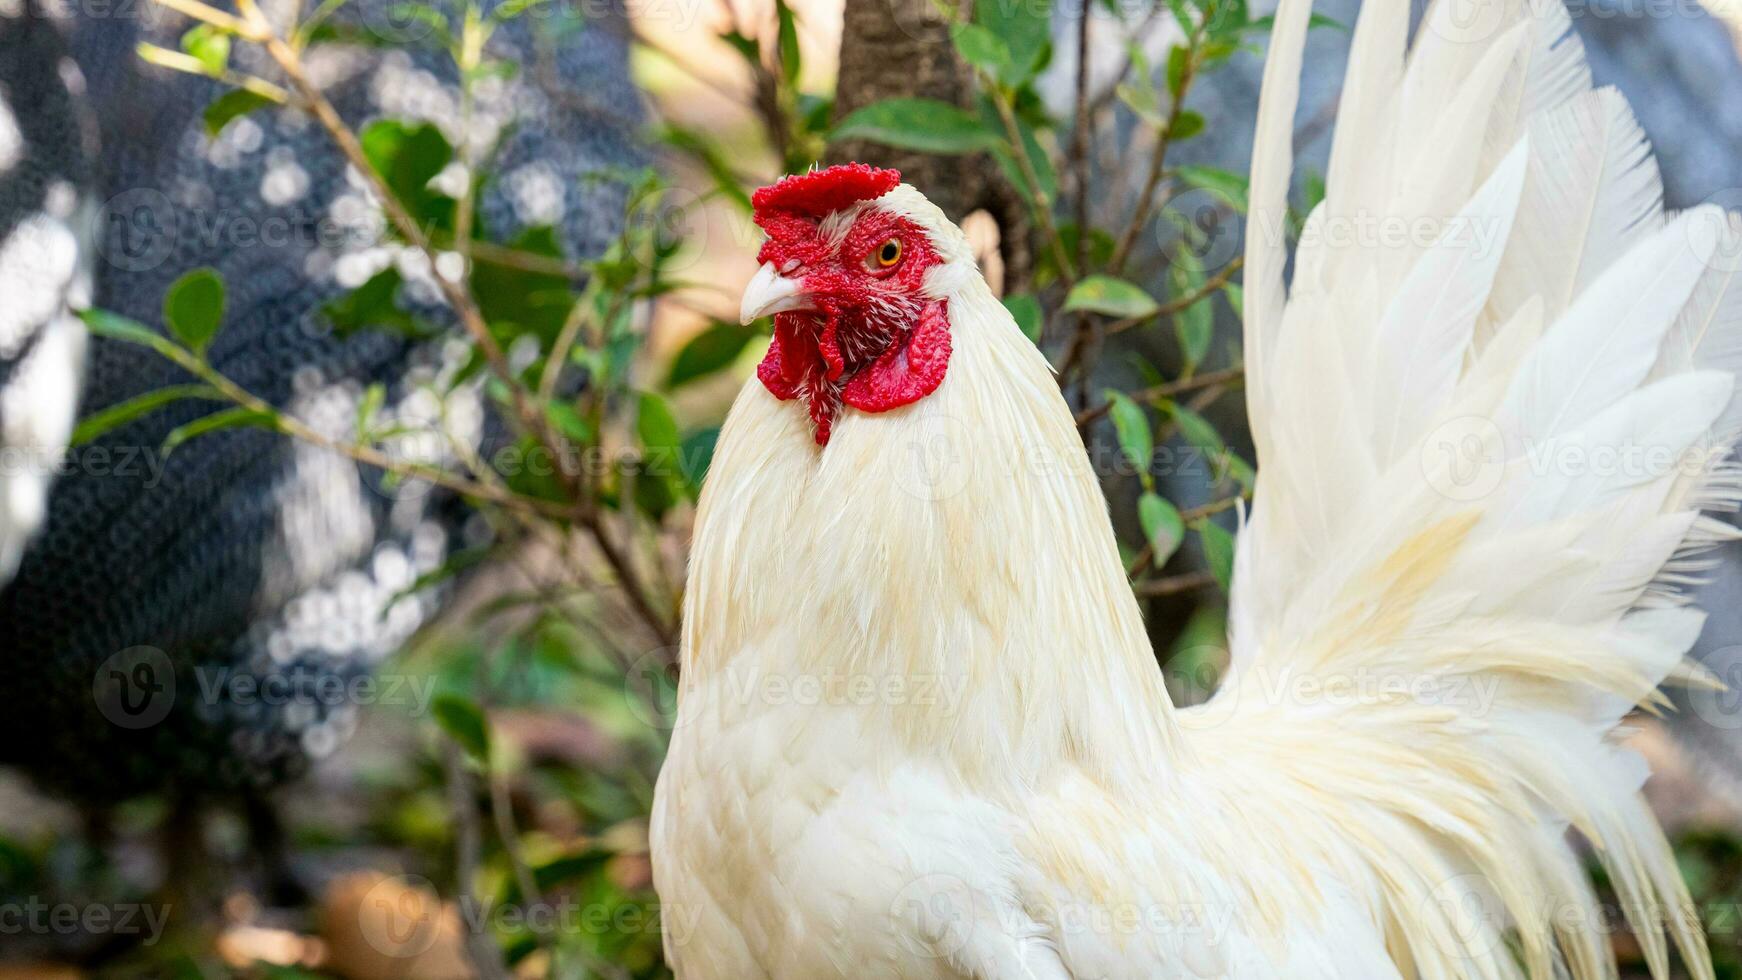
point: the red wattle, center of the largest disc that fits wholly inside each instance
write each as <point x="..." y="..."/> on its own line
<point x="829" y="348"/>
<point x="909" y="370"/>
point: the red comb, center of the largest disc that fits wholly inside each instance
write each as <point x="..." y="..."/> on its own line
<point x="821" y="192"/>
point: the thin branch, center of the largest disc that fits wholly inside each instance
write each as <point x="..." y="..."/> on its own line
<point x="468" y="846"/>
<point x="1175" y="584"/>
<point x="1180" y="304"/>
<point x="1170" y="389"/>
<point x="1105" y="97"/>
<point x="224" y="20"/>
<point x="1157" y="168"/>
<point x="1042" y="202"/>
<point x="457" y="296"/>
<point x="1192" y="515"/>
<point x="471" y="54"/>
<point x="184" y="62"/>
<point x="1078" y="165"/>
<point x="369" y="456"/>
<point x="628" y="576"/>
<point x="565" y="342"/>
<point x="1188" y="516"/>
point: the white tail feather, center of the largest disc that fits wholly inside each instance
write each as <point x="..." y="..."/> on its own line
<point x="1489" y="466"/>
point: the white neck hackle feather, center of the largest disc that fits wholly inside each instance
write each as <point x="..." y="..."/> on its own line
<point x="912" y="545"/>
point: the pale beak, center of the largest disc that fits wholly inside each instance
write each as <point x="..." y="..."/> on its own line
<point x="770" y="293"/>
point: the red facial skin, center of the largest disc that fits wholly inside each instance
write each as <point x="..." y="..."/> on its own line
<point x="874" y="342"/>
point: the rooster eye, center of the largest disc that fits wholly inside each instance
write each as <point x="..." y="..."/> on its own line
<point x="889" y="253"/>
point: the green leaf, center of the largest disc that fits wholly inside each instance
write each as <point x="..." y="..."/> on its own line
<point x="99" y="424"/>
<point x="232" y="105"/>
<point x="1218" y="551"/>
<point x="401" y="14"/>
<point x="209" y="46"/>
<point x="1193" y="326"/>
<point x="407" y="157"/>
<point x="372" y="306"/>
<point x="1180" y="15"/>
<point x="1313" y="190"/>
<point x="1026" y="311"/>
<point x="654" y="424"/>
<point x="1109" y="296"/>
<point x="746" y="47"/>
<point x="1228" y="186"/>
<point x="1197" y="430"/>
<point x="712" y="158"/>
<point x="1039" y="160"/>
<point x="518" y="301"/>
<point x="567" y="420"/>
<point x="1177" y="60"/>
<point x="463" y="720"/>
<point x="1162" y="526"/>
<point x="1236" y="298"/>
<point x="1140" y="99"/>
<point x="1186" y="125"/>
<point x="374" y="397"/>
<point x="926" y="125"/>
<point x="113" y="326"/>
<point x="571" y="868"/>
<point x="661" y="443"/>
<point x="698" y="454"/>
<point x="984" y="50"/>
<point x="1140" y="95"/>
<point x="194" y="308"/>
<point x="708" y="352"/>
<point x="1025" y="27"/>
<point x="1132" y="427"/>
<point x="230" y="418"/>
<point x="511" y="9"/>
<point x="787" y="38"/>
<point x="1265" y="24"/>
<point x="1240" y="470"/>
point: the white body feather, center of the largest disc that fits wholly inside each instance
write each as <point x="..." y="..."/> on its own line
<point x="922" y="733"/>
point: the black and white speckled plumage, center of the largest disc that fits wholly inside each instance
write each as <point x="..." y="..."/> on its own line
<point x="44" y="149"/>
<point x="245" y="554"/>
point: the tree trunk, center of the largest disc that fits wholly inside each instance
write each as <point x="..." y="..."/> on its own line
<point x="902" y="49"/>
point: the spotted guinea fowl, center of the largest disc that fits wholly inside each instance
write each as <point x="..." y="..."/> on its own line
<point x="245" y="558"/>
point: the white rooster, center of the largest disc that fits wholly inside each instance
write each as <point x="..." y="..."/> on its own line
<point x="922" y="732"/>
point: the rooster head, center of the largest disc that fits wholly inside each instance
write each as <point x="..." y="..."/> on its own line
<point x="856" y="273"/>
